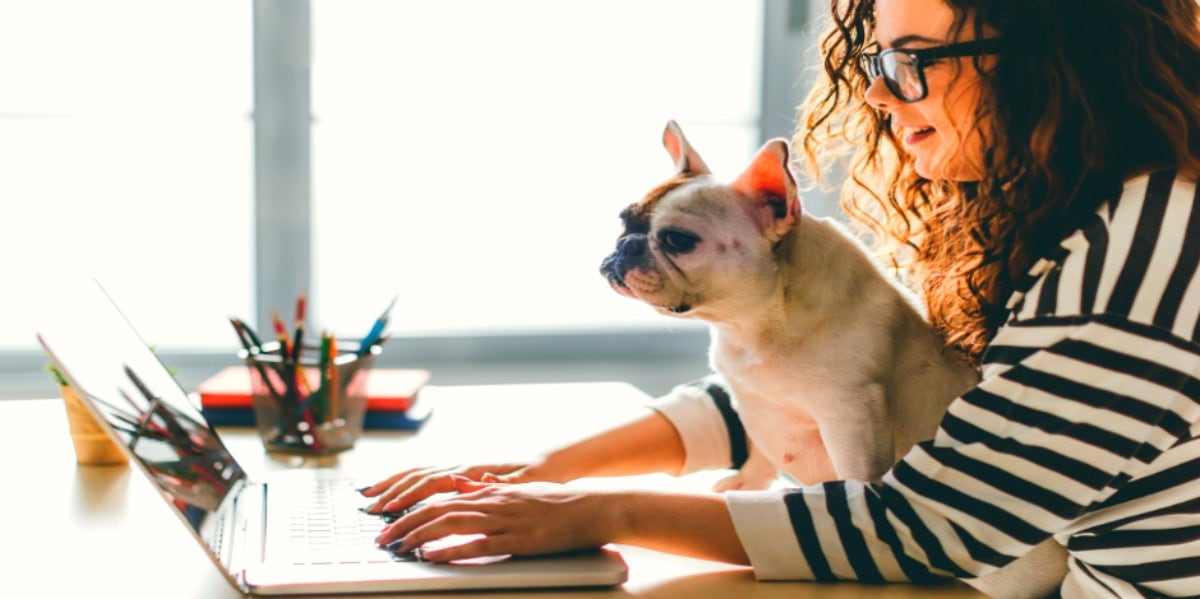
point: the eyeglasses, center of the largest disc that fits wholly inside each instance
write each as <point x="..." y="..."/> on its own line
<point x="904" y="70"/>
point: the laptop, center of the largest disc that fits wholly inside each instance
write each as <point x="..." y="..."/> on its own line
<point x="299" y="534"/>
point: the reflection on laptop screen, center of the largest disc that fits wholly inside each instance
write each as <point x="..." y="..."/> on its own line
<point x="104" y="359"/>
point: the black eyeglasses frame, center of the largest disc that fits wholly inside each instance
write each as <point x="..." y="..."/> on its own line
<point x="872" y="63"/>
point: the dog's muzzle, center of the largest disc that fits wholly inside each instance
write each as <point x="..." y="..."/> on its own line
<point x="631" y="251"/>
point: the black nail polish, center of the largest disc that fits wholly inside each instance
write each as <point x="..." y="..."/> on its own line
<point x="403" y="556"/>
<point x="362" y="490"/>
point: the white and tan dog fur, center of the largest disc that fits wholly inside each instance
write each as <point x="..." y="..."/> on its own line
<point x="834" y="370"/>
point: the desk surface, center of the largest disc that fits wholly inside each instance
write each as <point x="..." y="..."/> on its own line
<point x="79" y="531"/>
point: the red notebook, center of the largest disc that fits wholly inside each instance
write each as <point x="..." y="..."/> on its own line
<point x="388" y="389"/>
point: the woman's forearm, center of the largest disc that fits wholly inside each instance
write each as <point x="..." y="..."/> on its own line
<point x="692" y="524"/>
<point x="645" y="445"/>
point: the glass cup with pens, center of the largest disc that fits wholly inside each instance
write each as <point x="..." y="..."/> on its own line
<point x="309" y="397"/>
<point x="310" y="405"/>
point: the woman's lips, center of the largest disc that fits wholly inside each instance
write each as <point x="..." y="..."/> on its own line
<point x="918" y="136"/>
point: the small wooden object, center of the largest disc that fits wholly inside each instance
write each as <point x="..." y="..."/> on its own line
<point x="93" y="445"/>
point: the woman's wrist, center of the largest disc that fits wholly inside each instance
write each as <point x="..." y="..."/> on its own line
<point x="614" y="515"/>
<point x="556" y="467"/>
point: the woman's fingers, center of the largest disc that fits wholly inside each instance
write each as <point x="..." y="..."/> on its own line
<point x="463" y="484"/>
<point x="433" y="521"/>
<point x="385" y="484"/>
<point x="408" y="492"/>
<point x="409" y="487"/>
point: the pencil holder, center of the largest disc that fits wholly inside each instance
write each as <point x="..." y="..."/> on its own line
<point x="307" y="407"/>
<point x="93" y="445"/>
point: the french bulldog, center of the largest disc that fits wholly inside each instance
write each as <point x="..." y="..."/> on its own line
<point x="833" y="369"/>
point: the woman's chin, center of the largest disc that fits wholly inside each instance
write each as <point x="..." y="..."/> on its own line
<point x="941" y="171"/>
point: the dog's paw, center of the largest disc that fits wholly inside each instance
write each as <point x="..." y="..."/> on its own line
<point x="741" y="482"/>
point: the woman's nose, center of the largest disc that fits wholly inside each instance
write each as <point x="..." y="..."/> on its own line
<point x="879" y="96"/>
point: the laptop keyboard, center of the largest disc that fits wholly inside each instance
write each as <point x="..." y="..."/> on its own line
<point x="327" y="526"/>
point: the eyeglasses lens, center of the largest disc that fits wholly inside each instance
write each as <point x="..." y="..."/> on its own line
<point x="902" y="76"/>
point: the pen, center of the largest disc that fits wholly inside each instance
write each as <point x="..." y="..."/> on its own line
<point x="377" y="328"/>
<point x="254" y="338"/>
<point x="286" y="371"/>
<point x="298" y="342"/>
<point x="323" y="372"/>
<point x="245" y="336"/>
<point x="285" y="344"/>
<point x="301" y="305"/>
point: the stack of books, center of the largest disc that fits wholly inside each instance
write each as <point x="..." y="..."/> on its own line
<point x="392" y="398"/>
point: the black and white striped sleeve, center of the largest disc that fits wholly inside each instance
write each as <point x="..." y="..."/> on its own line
<point x="704" y="414"/>
<point x="1083" y="427"/>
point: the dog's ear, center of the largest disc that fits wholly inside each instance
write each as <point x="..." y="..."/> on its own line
<point x="768" y="180"/>
<point x="687" y="160"/>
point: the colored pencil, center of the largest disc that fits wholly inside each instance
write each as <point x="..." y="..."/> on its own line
<point x="332" y="398"/>
<point x="377" y="328"/>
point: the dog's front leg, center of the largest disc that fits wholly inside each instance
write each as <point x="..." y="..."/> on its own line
<point x="755" y="474"/>
<point x="857" y="434"/>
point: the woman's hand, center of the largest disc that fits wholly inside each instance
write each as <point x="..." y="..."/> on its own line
<point x="525" y="519"/>
<point x="400" y="491"/>
<point x="646" y="444"/>
<point x="537" y="518"/>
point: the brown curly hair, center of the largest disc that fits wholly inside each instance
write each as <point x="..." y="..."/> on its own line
<point x="1086" y="94"/>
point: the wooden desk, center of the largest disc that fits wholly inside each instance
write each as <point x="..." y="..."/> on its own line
<point x="70" y="531"/>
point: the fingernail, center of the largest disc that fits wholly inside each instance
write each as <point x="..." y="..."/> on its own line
<point x="362" y="490"/>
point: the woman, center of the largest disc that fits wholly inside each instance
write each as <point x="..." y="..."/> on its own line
<point x="1033" y="166"/>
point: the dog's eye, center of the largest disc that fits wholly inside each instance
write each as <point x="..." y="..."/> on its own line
<point x="677" y="242"/>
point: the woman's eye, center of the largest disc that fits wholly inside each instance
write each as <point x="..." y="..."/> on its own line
<point x="677" y="242"/>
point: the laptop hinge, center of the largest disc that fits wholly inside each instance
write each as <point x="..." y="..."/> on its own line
<point x="245" y="530"/>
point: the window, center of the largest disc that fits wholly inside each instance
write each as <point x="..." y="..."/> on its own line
<point x="469" y="157"/>
<point x="473" y="156"/>
<point x="125" y="141"/>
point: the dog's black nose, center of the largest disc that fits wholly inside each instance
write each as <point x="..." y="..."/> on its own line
<point x="632" y="246"/>
<point x="631" y="249"/>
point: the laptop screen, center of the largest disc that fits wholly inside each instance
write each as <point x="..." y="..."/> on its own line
<point x="108" y="363"/>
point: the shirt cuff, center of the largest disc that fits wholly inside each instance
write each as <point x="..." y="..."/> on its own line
<point x="700" y="426"/>
<point x="765" y="530"/>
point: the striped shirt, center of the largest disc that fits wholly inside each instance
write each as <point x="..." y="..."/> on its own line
<point x="1083" y="427"/>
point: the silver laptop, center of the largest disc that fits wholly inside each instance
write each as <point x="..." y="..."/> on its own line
<point x="300" y="534"/>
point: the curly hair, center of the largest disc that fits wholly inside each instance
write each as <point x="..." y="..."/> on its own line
<point x="1086" y="94"/>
